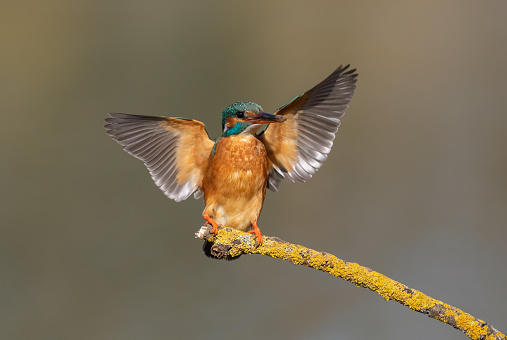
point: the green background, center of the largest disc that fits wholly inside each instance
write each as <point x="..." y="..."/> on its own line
<point x="415" y="186"/>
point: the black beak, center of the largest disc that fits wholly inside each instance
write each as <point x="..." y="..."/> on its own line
<point x="265" y="118"/>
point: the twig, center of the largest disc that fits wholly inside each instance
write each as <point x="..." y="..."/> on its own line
<point x="230" y="244"/>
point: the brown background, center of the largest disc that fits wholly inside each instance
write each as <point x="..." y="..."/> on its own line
<point x="415" y="186"/>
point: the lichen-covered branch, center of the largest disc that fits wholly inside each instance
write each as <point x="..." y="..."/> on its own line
<point x="230" y="244"/>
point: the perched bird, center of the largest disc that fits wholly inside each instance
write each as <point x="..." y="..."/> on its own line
<point x="234" y="170"/>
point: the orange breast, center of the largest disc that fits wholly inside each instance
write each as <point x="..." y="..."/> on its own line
<point x="235" y="181"/>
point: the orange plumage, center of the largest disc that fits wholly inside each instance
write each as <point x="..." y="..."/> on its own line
<point x="235" y="181"/>
<point x="234" y="171"/>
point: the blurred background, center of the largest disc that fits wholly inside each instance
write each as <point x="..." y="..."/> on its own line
<point x="415" y="186"/>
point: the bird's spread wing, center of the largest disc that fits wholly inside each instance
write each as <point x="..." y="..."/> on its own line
<point x="174" y="150"/>
<point x="298" y="147"/>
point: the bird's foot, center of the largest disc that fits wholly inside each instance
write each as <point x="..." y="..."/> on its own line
<point x="257" y="233"/>
<point x="211" y="221"/>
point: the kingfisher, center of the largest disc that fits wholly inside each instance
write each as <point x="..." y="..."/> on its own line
<point x="257" y="150"/>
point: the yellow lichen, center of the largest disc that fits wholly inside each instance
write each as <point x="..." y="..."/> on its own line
<point x="241" y="243"/>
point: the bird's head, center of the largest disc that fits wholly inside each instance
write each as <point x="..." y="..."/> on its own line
<point x="246" y="117"/>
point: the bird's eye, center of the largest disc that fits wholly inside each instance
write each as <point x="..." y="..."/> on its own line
<point x="240" y="114"/>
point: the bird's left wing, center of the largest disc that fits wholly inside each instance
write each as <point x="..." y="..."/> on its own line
<point x="298" y="147"/>
<point x="174" y="150"/>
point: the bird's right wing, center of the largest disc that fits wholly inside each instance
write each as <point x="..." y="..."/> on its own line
<point x="174" y="150"/>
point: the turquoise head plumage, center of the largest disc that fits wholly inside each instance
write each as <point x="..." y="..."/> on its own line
<point x="239" y="116"/>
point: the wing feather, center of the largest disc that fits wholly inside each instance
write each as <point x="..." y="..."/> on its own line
<point x="174" y="150"/>
<point x="298" y="147"/>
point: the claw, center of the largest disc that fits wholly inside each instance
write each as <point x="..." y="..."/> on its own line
<point x="209" y="220"/>
<point x="257" y="233"/>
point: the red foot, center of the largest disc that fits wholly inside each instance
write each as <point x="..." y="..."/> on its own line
<point x="209" y="220"/>
<point x="257" y="233"/>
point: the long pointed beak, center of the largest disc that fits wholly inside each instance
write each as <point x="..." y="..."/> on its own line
<point x="265" y="118"/>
